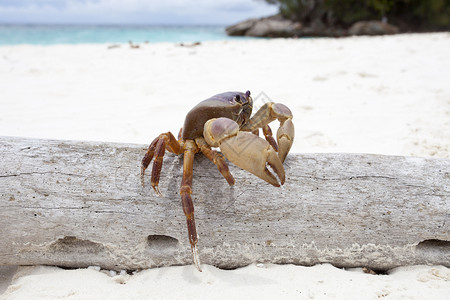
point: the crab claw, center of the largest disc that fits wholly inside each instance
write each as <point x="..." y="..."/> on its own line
<point x="254" y="155"/>
<point x="245" y="150"/>
<point x="286" y="132"/>
<point x="285" y="138"/>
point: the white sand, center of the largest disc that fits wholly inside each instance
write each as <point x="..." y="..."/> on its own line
<point x="252" y="282"/>
<point x="386" y="95"/>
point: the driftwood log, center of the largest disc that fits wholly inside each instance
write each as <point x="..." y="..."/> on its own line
<point x="77" y="204"/>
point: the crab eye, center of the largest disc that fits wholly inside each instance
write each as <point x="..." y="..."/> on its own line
<point x="247" y="93"/>
<point x="237" y="98"/>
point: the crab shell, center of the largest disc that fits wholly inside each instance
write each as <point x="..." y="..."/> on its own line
<point x="236" y="106"/>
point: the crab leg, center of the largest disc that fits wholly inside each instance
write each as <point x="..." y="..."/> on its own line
<point x="157" y="150"/>
<point x="216" y="158"/>
<point x="269" y="137"/>
<point x="268" y="113"/>
<point x="244" y="149"/>
<point x="148" y="158"/>
<point x="186" y="200"/>
<point x="157" y="165"/>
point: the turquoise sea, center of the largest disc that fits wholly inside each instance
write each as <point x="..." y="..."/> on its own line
<point x="82" y="34"/>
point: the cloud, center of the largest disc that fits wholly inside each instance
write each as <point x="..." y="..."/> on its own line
<point x="132" y="11"/>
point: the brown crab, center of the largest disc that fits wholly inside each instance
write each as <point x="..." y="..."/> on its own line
<point x="224" y="121"/>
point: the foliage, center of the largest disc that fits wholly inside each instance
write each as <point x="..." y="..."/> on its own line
<point x="297" y="9"/>
<point x="415" y="14"/>
<point x="428" y="14"/>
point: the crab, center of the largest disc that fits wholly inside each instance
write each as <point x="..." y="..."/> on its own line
<point x="224" y="121"/>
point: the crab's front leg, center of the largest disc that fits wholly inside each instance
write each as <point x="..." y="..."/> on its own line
<point x="267" y="113"/>
<point x="190" y="148"/>
<point x="216" y="158"/>
<point x="245" y="149"/>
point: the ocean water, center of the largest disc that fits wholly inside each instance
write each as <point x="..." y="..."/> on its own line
<point x="82" y="34"/>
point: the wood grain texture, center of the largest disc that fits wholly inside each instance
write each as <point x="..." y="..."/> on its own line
<point x="76" y="204"/>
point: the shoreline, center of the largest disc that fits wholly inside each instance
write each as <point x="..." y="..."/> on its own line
<point x="232" y="39"/>
<point x="42" y="34"/>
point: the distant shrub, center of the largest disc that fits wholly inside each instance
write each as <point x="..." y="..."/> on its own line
<point x="413" y="14"/>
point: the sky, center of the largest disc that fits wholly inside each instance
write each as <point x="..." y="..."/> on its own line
<point x="223" y="12"/>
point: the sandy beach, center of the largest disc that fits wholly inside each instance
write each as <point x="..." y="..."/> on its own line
<point x="385" y="95"/>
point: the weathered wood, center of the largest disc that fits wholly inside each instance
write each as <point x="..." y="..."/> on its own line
<point x="76" y="204"/>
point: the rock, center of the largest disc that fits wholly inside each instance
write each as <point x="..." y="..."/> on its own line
<point x="317" y="28"/>
<point x="241" y="28"/>
<point x="274" y="26"/>
<point x="277" y="26"/>
<point x="372" y="28"/>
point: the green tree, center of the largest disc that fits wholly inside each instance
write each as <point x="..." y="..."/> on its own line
<point x="413" y="14"/>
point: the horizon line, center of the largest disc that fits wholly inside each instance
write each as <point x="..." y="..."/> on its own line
<point x="110" y="24"/>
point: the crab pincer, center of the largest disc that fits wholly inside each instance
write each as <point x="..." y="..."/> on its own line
<point x="286" y="132"/>
<point x="269" y="112"/>
<point x="245" y="149"/>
